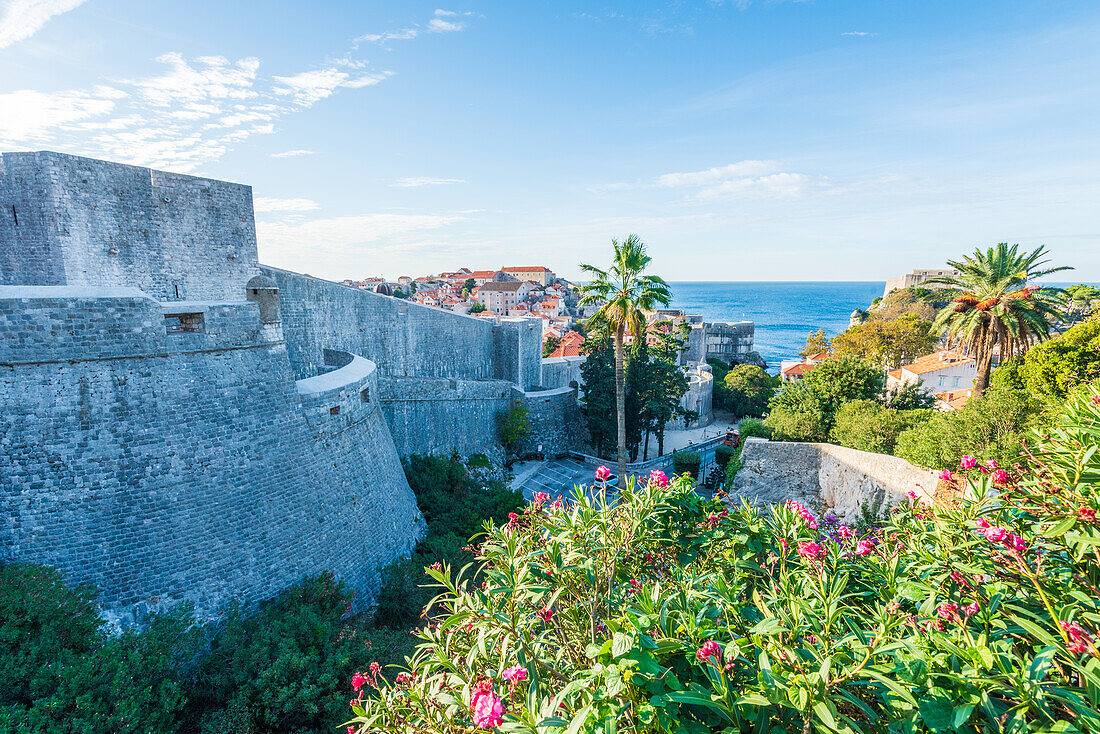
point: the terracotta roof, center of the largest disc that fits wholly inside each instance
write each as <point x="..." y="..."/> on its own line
<point x="508" y="285"/>
<point x="955" y="399"/>
<point x="819" y="357"/>
<point x="483" y="274"/>
<point x="935" y="361"/>
<point x="798" y="369"/>
<point x="570" y="345"/>
<point x="896" y="374"/>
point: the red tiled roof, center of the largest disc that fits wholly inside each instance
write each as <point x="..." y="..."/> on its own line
<point x="799" y="369"/>
<point x="570" y="345"/>
<point x="955" y="399"/>
<point x="935" y="361"/>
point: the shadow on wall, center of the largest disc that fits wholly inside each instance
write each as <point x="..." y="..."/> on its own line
<point x="841" y="478"/>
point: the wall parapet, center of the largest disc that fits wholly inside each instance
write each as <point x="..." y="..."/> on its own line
<point x="837" y="477"/>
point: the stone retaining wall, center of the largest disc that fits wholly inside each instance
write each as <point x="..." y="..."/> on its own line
<point x="823" y="475"/>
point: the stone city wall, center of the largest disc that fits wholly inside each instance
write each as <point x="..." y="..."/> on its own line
<point x="67" y="220"/>
<point x="561" y="372"/>
<point x="440" y="415"/>
<point x="168" y="467"/>
<point x="824" y="475"/>
<point x="555" y="420"/>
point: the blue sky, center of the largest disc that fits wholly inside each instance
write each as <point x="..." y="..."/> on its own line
<point x="742" y="140"/>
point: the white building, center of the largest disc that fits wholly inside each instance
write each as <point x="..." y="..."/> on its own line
<point x="938" y="372"/>
<point x="537" y="273"/>
<point x="908" y="280"/>
<point x="502" y="297"/>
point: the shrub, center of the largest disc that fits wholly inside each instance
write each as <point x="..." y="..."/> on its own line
<point x="753" y="428"/>
<point x="667" y="612"/>
<point x="63" y="672"/>
<point x="807" y="422"/>
<point x="1054" y="368"/>
<point x="287" y="666"/>
<point x="733" y="466"/>
<point x="686" y="462"/>
<point x="722" y="454"/>
<point x="455" y="509"/>
<point x="868" y="426"/>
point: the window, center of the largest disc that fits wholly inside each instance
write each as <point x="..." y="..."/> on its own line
<point x="184" y="323"/>
<point x="955" y="383"/>
<point x="943" y="381"/>
<point x="364" y="394"/>
<point x="334" y="410"/>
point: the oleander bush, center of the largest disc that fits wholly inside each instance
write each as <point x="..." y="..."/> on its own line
<point x="662" y="611"/>
<point x="753" y="428"/>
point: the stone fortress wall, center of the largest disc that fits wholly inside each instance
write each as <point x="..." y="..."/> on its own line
<point x="842" y="479"/>
<point x="180" y="423"/>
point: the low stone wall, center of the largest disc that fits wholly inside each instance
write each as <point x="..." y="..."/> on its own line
<point x="560" y="371"/>
<point x="823" y="475"/>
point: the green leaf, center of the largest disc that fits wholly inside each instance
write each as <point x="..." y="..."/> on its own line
<point x="621" y="644"/>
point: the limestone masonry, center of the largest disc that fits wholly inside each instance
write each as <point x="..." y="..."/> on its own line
<point x="181" y="423"/>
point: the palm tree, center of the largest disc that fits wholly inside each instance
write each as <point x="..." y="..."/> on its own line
<point x="995" y="309"/>
<point x="623" y="294"/>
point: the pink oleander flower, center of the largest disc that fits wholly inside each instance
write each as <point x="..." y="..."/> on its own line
<point x="995" y="534"/>
<point x="864" y="547"/>
<point x="1086" y="514"/>
<point x="540" y="498"/>
<point x="1015" y="542"/>
<point x="911" y="494"/>
<point x="658" y="477"/>
<point x="971" y="609"/>
<point x="991" y="464"/>
<point x="486" y="706"/>
<point x="783" y="542"/>
<point x="948" y="610"/>
<point x="947" y="475"/>
<point x="635" y="586"/>
<point x="844" y="532"/>
<point x="358" y="681"/>
<point x="512" y="517"/>
<point x="811" y="550"/>
<point x="1079" y="640"/>
<point x="968" y="462"/>
<point x="556" y="504"/>
<point x="710" y="649"/>
<point x="351" y="730"/>
<point x="403" y="678"/>
<point x="893" y="607"/>
<point x="1000" y="477"/>
<point x="982" y="523"/>
<point x="603" y="474"/>
<point x="514" y="674"/>
<point x="545" y="614"/>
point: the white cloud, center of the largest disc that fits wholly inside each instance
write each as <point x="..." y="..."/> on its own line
<point x="425" y="181"/>
<point x="745" y="179"/>
<point x="21" y="19"/>
<point x="858" y="33"/>
<point x="191" y="113"/>
<point x="310" y="87"/>
<point x="263" y="204"/>
<point x="437" y="24"/>
<point x="291" y="153"/>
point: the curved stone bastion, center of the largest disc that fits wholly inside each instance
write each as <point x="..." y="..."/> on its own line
<point x="164" y="452"/>
<point x="821" y="474"/>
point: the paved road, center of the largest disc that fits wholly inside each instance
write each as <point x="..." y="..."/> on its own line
<point x="555" y="477"/>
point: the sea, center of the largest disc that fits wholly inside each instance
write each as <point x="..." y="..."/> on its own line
<point x="785" y="313"/>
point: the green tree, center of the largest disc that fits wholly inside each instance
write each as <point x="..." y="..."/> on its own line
<point x="514" y="426"/>
<point x="1054" y="368"/>
<point x="840" y="379"/>
<point x="639" y="378"/>
<point x="477" y="307"/>
<point x="668" y="382"/>
<point x="816" y="343"/>
<point x="995" y="310"/>
<point x="598" y="390"/>
<point x="748" y="389"/>
<point x="551" y="343"/>
<point x="869" y="426"/>
<point x="623" y="294"/>
<point x="468" y="286"/>
<point x="799" y="413"/>
<point x="888" y="344"/>
<point x="720" y="397"/>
